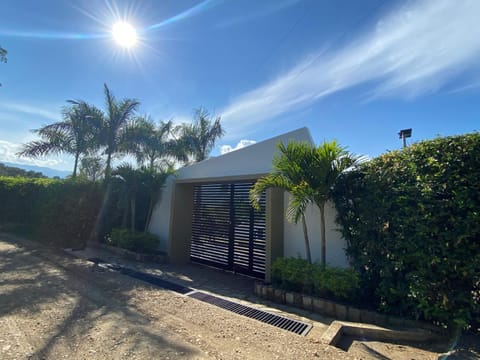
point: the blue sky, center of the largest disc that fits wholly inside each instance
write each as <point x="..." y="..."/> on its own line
<point x="355" y="71"/>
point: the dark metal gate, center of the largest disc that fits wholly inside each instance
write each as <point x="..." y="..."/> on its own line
<point x="226" y="231"/>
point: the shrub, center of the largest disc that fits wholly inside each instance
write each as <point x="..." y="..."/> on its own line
<point x="411" y="219"/>
<point x="58" y="212"/>
<point x="296" y="274"/>
<point x="135" y="241"/>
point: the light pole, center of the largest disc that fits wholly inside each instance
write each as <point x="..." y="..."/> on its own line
<point x="404" y="134"/>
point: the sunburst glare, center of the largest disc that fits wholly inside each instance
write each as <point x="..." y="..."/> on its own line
<point x="124" y="34"/>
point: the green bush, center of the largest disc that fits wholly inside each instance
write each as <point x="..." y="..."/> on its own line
<point x="296" y="274"/>
<point x="411" y="219"/>
<point x="135" y="241"/>
<point x="58" y="212"/>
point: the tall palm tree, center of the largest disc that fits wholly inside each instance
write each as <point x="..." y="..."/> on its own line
<point x="77" y="134"/>
<point x="315" y="171"/>
<point x="199" y="138"/>
<point x="287" y="175"/>
<point x="116" y="118"/>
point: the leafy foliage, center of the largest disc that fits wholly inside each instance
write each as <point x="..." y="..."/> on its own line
<point x="59" y="212"/>
<point x="308" y="173"/>
<point x="115" y="120"/>
<point x="296" y="274"/>
<point x="198" y="139"/>
<point x="141" y="242"/>
<point x="3" y="55"/>
<point x="77" y="134"/>
<point x="412" y="222"/>
<point x="17" y="172"/>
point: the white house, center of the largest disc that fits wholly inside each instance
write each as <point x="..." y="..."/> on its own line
<point x="204" y="215"/>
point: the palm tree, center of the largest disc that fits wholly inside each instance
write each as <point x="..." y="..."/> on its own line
<point x="154" y="182"/>
<point x="77" y="134"/>
<point x="199" y="138"/>
<point x="117" y="115"/>
<point x="91" y="168"/>
<point x="313" y="171"/>
<point x="286" y="175"/>
<point x="131" y="179"/>
<point x="150" y="143"/>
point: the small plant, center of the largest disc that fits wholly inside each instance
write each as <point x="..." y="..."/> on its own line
<point x="296" y="274"/>
<point x="135" y="241"/>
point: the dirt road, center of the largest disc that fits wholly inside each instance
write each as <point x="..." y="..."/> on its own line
<point x="56" y="307"/>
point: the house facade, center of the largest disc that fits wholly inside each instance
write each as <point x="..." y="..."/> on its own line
<point x="204" y="214"/>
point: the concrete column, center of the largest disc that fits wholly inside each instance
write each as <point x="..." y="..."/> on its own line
<point x="181" y="224"/>
<point x="275" y="215"/>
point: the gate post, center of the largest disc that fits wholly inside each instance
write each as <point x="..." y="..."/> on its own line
<point x="274" y="218"/>
<point x="181" y="224"/>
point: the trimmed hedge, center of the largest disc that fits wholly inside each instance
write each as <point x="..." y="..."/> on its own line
<point x="58" y="212"/>
<point x="141" y="242"/>
<point x="296" y="274"/>
<point x="411" y="219"/>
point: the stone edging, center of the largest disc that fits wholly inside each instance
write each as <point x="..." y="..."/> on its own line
<point x="130" y="255"/>
<point x="336" y="310"/>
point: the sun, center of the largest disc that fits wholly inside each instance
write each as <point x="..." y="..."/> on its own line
<point x="124" y="34"/>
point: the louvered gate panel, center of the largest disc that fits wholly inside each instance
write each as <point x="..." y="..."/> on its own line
<point x="211" y="224"/>
<point x="226" y="231"/>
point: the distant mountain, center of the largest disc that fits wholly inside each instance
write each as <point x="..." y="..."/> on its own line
<point x="44" y="170"/>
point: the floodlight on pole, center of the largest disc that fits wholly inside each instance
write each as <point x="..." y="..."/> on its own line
<point x="404" y="134"/>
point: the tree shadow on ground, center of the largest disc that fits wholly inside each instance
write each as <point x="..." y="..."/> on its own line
<point x="89" y="303"/>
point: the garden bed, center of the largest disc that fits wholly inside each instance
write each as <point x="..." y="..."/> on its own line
<point x="158" y="257"/>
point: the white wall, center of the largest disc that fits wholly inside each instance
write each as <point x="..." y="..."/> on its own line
<point x="294" y="243"/>
<point x="160" y="223"/>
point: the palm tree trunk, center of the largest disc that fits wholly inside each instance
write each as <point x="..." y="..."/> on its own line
<point x="307" y="241"/>
<point x="108" y="168"/>
<point x="77" y="155"/>
<point x="324" y="240"/>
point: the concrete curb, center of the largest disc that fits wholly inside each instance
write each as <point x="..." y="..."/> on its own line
<point x="339" y="311"/>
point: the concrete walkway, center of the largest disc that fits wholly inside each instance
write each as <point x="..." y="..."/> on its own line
<point x="226" y="284"/>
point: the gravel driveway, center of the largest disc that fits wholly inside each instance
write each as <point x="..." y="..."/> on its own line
<point x="53" y="307"/>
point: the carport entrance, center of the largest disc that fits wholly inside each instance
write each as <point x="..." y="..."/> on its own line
<point x="226" y="231"/>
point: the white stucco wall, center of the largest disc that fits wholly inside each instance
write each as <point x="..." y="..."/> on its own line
<point x="294" y="243"/>
<point x="253" y="161"/>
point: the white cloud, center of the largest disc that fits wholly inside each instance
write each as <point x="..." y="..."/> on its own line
<point x="241" y="144"/>
<point x="31" y="110"/>
<point x="8" y="153"/>
<point x="415" y="50"/>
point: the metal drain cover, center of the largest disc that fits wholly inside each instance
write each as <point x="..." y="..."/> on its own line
<point x="281" y="322"/>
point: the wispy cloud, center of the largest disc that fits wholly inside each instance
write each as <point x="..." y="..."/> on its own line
<point x="241" y="144"/>
<point x="28" y="109"/>
<point x="255" y="14"/>
<point x="415" y="50"/>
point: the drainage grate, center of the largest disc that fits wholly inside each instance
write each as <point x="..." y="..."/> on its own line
<point x="151" y="279"/>
<point x="281" y="322"/>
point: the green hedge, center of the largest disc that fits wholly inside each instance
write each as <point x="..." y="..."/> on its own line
<point x="411" y="219"/>
<point x="295" y="274"/>
<point x="141" y="242"/>
<point x="57" y="212"/>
